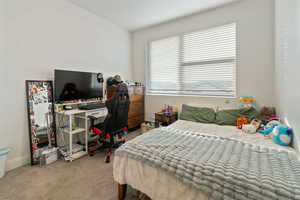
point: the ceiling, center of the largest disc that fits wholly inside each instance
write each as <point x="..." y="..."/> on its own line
<point x="137" y="14"/>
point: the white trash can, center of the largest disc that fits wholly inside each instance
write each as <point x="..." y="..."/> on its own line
<point x="3" y="157"/>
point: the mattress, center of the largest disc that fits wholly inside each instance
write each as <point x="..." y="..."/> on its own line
<point x="227" y="132"/>
<point x="160" y="185"/>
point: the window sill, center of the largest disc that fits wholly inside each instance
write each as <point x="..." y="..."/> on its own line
<point x="191" y="95"/>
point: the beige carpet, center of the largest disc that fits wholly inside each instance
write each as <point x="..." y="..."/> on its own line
<point x="88" y="178"/>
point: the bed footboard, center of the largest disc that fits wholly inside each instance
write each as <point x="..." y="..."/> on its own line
<point x="122" y="190"/>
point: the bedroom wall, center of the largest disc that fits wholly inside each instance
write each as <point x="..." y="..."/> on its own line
<point x="287" y="41"/>
<point x="255" y="68"/>
<point x="42" y="36"/>
<point x="2" y="40"/>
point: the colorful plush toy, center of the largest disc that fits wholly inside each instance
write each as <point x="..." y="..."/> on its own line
<point x="282" y="135"/>
<point x="252" y="127"/>
<point x="267" y="113"/>
<point x="267" y="132"/>
<point x="241" y="121"/>
<point x="272" y="123"/>
<point x="267" y="126"/>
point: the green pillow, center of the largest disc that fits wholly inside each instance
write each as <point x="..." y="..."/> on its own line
<point x="196" y="114"/>
<point x="228" y="117"/>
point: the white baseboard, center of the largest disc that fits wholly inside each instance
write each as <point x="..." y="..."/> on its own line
<point x="17" y="162"/>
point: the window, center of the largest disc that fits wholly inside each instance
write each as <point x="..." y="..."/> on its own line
<point x="198" y="63"/>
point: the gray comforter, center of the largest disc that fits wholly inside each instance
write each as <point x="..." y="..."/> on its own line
<point x="222" y="167"/>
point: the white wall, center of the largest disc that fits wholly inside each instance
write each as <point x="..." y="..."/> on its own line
<point x="255" y="68"/>
<point x="2" y="46"/>
<point x="287" y="40"/>
<point x="42" y="36"/>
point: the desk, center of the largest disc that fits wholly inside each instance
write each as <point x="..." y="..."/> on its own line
<point x="82" y="128"/>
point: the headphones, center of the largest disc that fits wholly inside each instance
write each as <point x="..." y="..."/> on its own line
<point x="100" y="78"/>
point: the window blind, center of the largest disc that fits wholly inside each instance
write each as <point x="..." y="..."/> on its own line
<point x="201" y="63"/>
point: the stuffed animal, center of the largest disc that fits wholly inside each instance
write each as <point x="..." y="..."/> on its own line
<point x="272" y="123"/>
<point x="282" y="135"/>
<point x="267" y="126"/>
<point x="249" y="128"/>
<point x="267" y="132"/>
<point x="267" y="113"/>
<point x="252" y="127"/>
<point x="241" y="121"/>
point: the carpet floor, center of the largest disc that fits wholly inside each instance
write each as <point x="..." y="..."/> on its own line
<point x="88" y="178"/>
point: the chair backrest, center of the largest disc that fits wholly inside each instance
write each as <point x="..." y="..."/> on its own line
<point x="118" y="108"/>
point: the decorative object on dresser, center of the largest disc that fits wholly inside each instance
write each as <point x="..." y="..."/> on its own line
<point x="166" y="118"/>
<point x="136" y="115"/>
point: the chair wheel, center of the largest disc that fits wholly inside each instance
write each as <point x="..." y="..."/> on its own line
<point x="91" y="154"/>
<point x="107" y="159"/>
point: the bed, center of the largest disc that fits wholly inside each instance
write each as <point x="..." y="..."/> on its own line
<point x="158" y="184"/>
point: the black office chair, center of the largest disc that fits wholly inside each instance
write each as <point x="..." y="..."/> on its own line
<point x="112" y="132"/>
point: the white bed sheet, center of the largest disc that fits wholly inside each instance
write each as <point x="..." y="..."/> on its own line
<point x="154" y="182"/>
<point x="227" y="132"/>
<point x="160" y="185"/>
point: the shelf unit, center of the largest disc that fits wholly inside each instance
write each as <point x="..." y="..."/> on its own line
<point x="84" y="116"/>
<point x="74" y="132"/>
<point x="72" y="115"/>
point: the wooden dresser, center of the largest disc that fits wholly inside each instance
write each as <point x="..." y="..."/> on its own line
<point x="136" y="115"/>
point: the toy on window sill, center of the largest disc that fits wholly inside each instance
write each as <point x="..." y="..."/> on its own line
<point x="246" y="102"/>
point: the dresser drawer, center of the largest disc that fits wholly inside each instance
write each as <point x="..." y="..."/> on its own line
<point x="130" y="90"/>
<point x="139" y="90"/>
<point x="136" y="108"/>
<point x="135" y="121"/>
<point x="136" y="98"/>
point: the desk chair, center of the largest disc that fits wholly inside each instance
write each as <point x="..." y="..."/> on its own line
<point x="112" y="132"/>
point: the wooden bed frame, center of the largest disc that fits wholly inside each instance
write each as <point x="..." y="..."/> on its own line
<point x="122" y="190"/>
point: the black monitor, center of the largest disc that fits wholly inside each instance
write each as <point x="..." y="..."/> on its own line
<point x="73" y="85"/>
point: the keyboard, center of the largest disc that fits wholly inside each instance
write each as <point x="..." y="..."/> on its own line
<point x="92" y="106"/>
<point x="97" y="114"/>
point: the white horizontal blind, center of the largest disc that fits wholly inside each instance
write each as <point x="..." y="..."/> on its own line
<point x="164" y="65"/>
<point x="201" y="63"/>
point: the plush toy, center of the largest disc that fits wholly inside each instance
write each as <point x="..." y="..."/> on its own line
<point x="282" y="135"/>
<point x="267" y="113"/>
<point x="267" y="132"/>
<point x="249" y="128"/>
<point x="272" y="123"/>
<point x="252" y="127"/>
<point x="266" y="127"/>
<point x="241" y="121"/>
